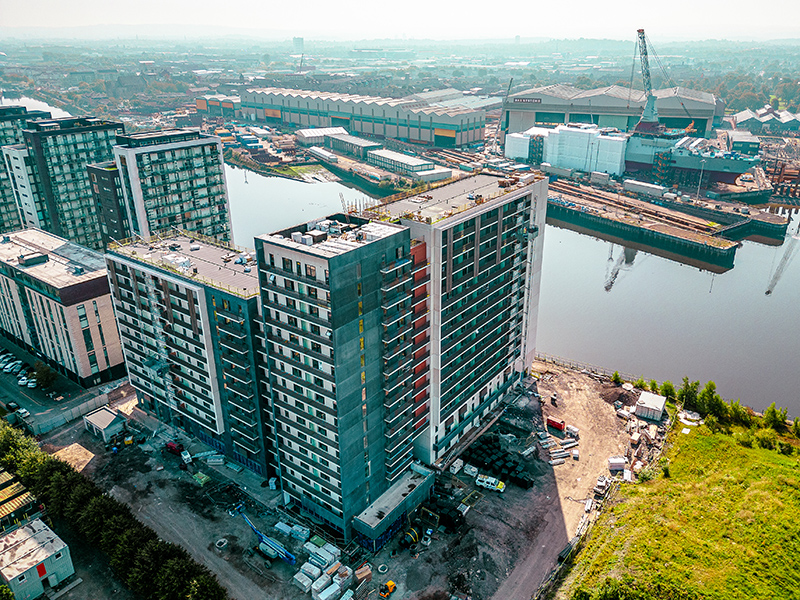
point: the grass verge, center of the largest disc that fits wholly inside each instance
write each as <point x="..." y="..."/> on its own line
<point x="724" y="525"/>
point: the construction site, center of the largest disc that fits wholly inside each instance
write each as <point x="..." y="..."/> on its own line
<point x="505" y="503"/>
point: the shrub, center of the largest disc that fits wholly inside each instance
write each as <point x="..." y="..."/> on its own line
<point x="668" y="390"/>
<point x="712" y="423"/>
<point x="744" y="438"/>
<point x="766" y="438"/>
<point x="654" y="386"/>
<point x="615" y="378"/>
<point x="796" y="427"/>
<point x="151" y="567"/>
<point x="739" y="414"/>
<point x="687" y="395"/>
<point x="774" y="418"/>
<point x="785" y="448"/>
<point x="640" y="384"/>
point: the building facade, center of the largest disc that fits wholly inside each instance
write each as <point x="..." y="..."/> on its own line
<point x="611" y="106"/>
<point x="109" y="201"/>
<point x="49" y="179"/>
<point x="174" y="178"/>
<point x="55" y="303"/>
<point x="189" y="320"/>
<point x="337" y="298"/>
<point x="403" y="119"/>
<point x="12" y="122"/>
<point x="483" y="244"/>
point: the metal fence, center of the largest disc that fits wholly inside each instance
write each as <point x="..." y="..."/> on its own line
<point x="70" y="415"/>
<point x="575" y="364"/>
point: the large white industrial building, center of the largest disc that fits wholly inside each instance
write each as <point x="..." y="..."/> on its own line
<point x="585" y="148"/>
<point x="611" y="106"/>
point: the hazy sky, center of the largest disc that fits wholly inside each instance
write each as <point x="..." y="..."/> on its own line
<point x="443" y="19"/>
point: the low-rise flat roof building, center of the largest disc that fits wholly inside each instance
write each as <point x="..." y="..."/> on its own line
<point x="350" y="144"/>
<point x="105" y="423"/>
<point x="55" y="303"/>
<point x="32" y="556"/>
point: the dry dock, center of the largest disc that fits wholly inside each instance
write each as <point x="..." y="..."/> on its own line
<point x="696" y="233"/>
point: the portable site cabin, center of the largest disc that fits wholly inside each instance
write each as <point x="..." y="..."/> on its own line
<point x="650" y="406"/>
<point x="31" y="557"/>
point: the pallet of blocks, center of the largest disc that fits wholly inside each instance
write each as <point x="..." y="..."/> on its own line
<point x="332" y="592"/>
<point x="333" y="569"/>
<point x="363" y="574"/>
<point x="302" y="581"/>
<point x="311" y="570"/>
<point x="343" y="577"/>
<point x="320" y="584"/>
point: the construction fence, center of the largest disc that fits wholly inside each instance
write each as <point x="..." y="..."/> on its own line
<point x="70" y="415"/>
<point x="577" y="365"/>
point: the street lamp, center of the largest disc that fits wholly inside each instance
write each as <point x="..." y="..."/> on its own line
<point x="699" y="181"/>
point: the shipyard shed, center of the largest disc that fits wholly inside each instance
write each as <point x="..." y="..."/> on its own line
<point x="104" y="423"/>
<point x="650" y="406"/>
<point x="31" y="557"/>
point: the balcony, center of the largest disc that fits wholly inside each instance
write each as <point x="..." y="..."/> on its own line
<point x="241" y="406"/>
<point x="232" y="317"/>
<point x="243" y="378"/>
<point x="398" y="264"/>
<point x="278" y="271"/>
<point x="235" y="360"/>
<point x="241" y="391"/>
<point x="232" y="330"/>
<point x="234" y="345"/>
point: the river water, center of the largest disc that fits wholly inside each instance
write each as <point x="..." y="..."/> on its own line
<point x="658" y="319"/>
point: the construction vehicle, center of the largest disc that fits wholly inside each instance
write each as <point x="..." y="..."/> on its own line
<point x="387" y="589"/>
<point x="266" y="544"/>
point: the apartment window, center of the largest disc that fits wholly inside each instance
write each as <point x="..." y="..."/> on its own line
<point x="360" y="308"/>
<point x="362" y="360"/>
<point x="361" y="326"/>
<point x="271" y="260"/>
<point x="311" y="272"/>
<point x="358" y="288"/>
<point x="363" y="378"/>
<point x="315" y="329"/>
<point x="82" y="316"/>
<point x="288" y="284"/>
<point x="312" y="291"/>
<point x="315" y="347"/>
<point x="96" y="312"/>
<point x="358" y="270"/>
<point x="361" y="343"/>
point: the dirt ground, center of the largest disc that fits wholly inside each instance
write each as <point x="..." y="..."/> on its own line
<point x="506" y="548"/>
<point x="511" y="541"/>
<point x="173" y="504"/>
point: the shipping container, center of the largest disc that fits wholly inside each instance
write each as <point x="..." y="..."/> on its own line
<point x="556" y="423"/>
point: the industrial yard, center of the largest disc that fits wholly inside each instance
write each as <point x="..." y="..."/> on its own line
<point x="504" y="547"/>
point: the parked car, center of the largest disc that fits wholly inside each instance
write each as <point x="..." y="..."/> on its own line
<point x="490" y="483"/>
<point x="12" y="406"/>
<point x="10" y="366"/>
<point x="6" y="361"/>
<point x="31" y="383"/>
<point x="22" y="381"/>
<point x="23" y="412"/>
<point x="16" y="368"/>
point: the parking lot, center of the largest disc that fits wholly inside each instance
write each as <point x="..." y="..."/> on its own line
<point x="36" y="401"/>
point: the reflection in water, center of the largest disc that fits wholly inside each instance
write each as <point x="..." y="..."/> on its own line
<point x="625" y="260"/>
<point x="788" y="254"/>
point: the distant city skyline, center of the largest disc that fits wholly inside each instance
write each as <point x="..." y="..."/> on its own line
<point x="316" y="19"/>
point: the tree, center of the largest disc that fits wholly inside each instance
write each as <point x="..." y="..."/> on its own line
<point x="45" y="376"/>
<point x="639" y="383"/>
<point x="6" y="593"/>
<point x="668" y="390"/>
<point x="739" y="414"/>
<point x="687" y="395"/>
<point x="711" y="403"/>
<point x="204" y="587"/>
<point x="766" y="438"/>
<point x="796" y="427"/>
<point x="654" y="386"/>
<point x="775" y="418"/>
<point x="616" y="378"/>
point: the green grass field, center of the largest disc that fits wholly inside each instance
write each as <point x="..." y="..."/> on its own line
<point x="725" y="525"/>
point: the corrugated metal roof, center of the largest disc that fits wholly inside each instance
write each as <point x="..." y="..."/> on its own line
<point x="26" y="547"/>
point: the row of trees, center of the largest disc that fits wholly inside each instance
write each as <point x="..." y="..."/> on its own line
<point x="149" y="566"/>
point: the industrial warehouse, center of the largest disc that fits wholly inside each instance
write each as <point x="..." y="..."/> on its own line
<point x="403" y="119"/>
<point x="611" y="106"/>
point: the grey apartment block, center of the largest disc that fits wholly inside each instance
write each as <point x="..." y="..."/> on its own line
<point x="47" y="171"/>
<point x="191" y="330"/>
<point x="12" y="122"/>
<point x="174" y="178"/>
<point x="392" y="334"/>
<point x="329" y="334"/>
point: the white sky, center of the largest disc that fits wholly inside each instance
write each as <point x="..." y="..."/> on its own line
<point x="443" y="19"/>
